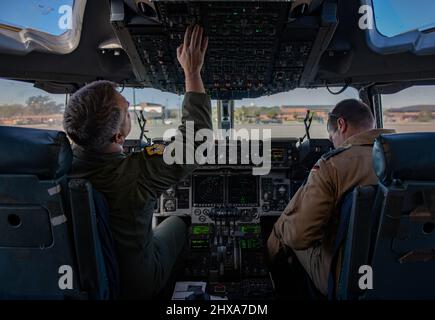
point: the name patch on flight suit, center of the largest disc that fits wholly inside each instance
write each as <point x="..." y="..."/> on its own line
<point x="155" y="150"/>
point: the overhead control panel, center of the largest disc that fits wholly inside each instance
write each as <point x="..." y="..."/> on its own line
<point x="256" y="48"/>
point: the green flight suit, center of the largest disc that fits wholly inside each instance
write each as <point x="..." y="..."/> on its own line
<point x="132" y="184"/>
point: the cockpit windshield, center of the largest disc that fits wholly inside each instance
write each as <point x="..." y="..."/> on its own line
<point x="283" y="113"/>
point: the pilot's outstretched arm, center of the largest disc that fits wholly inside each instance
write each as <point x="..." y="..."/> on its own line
<point x="302" y="223"/>
<point x="158" y="175"/>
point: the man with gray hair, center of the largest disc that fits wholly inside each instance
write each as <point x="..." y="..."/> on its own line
<point x="309" y="223"/>
<point x="98" y="122"/>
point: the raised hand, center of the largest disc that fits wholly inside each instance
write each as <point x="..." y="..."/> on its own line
<point x="191" y="57"/>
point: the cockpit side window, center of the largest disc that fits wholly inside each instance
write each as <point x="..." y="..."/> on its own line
<point x="43" y="25"/>
<point x="411" y="110"/>
<point x="23" y="105"/>
<point x="395" y="26"/>
<point x="396" y="17"/>
<point x="53" y="17"/>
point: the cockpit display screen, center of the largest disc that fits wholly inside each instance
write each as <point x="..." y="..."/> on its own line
<point x="201" y="230"/>
<point x="208" y="190"/>
<point x="243" y="190"/>
<point x="277" y="155"/>
<point x="250" y="229"/>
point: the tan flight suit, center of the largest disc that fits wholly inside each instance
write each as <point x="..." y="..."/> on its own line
<point x="132" y="184"/>
<point x="309" y="223"/>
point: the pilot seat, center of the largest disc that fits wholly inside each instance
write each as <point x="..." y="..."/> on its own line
<point x="387" y="232"/>
<point x="54" y="237"/>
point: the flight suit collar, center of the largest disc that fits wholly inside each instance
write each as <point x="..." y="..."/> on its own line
<point x="366" y="138"/>
<point x="88" y="162"/>
<point x="86" y="155"/>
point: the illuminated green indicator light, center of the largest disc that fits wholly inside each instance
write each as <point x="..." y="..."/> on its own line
<point x="251" y="229"/>
<point x="201" y="230"/>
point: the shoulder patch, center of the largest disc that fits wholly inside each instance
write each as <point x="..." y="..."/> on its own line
<point x="334" y="152"/>
<point x="315" y="168"/>
<point x="155" y="149"/>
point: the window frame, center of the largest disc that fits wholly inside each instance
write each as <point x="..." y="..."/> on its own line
<point x="417" y="42"/>
<point x="18" y="41"/>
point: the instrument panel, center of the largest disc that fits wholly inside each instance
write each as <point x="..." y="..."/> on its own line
<point x="216" y="191"/>
<point x="231" y="211"/>
<point x="219" y="191"/>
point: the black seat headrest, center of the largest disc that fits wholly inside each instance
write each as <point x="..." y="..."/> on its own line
<point x="46" y="154"/>
<point x="407" y="156"/>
